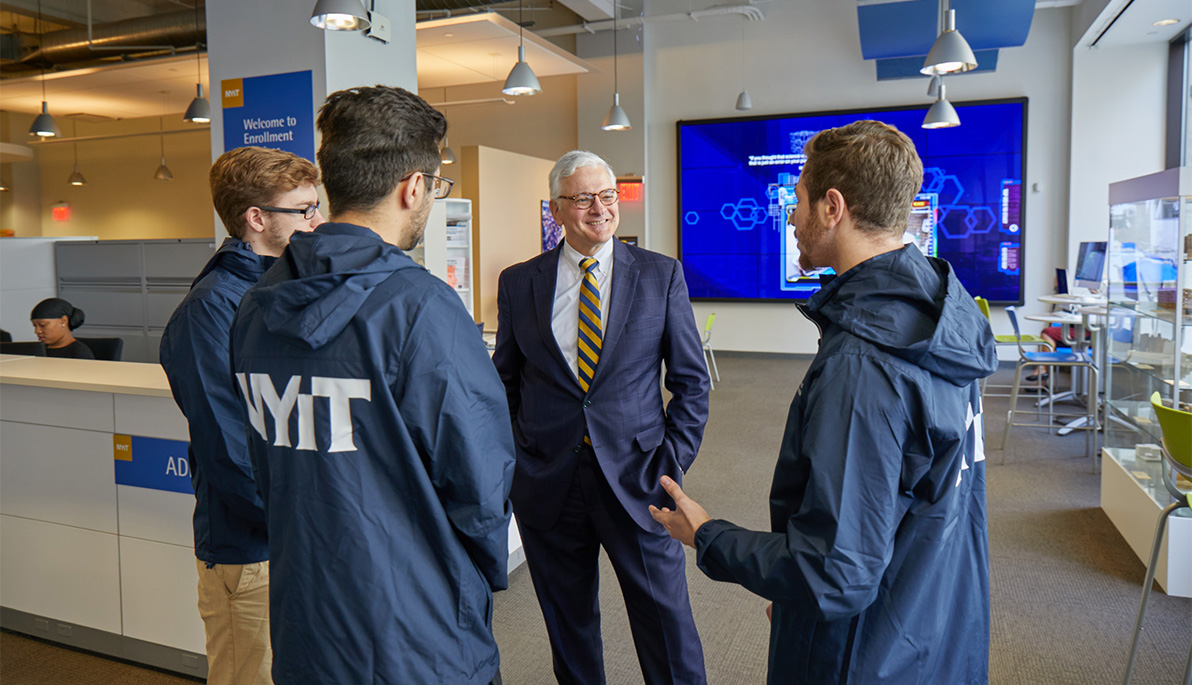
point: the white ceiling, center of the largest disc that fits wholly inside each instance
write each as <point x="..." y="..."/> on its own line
<point x="1135" y="24"/>
<point x="482" y="48"/>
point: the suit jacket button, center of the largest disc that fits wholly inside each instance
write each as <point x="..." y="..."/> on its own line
<point x="577" y="448"/>
<point x="587" y="403"/>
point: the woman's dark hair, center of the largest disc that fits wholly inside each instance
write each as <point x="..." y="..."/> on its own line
<point x="372" y="139"/>
<point x="56" y="308"/>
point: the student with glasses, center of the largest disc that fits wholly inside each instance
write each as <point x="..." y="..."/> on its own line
<point x="263" y="197"/>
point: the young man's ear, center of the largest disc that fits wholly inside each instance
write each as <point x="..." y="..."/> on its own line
<point x="410" y="193"/>
<point x="254" y="218"/>
<point x="833" y="208"/>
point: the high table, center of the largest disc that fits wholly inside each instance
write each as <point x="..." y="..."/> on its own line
<point x="96" y="540"/>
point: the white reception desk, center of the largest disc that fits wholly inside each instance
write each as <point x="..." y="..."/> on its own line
<point x="86" y="561"/>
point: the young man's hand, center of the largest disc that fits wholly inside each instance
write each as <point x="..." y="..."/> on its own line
<point x="688" y="517"/>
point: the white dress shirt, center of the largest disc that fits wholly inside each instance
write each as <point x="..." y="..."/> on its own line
<point x="564" y="320"/>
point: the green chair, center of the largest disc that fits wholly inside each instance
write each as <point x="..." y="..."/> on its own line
<point x="710" y="356"/>
<point x="1042" y="344"/>
<point x="1177" y="454"/>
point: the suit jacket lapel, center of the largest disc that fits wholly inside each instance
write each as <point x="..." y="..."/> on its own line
<point x="544" y="303"/>
<point x="624" y="285"/>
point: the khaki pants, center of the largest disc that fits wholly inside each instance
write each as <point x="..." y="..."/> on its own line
<point x="234" y="605"/>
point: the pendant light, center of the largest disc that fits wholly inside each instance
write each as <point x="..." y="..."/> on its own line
<point x="448" y="156"/>
<point x="340" y="15"/>
<point x="744" y="102"/>
<point x="76" y="178"/>
<point x="44" y="125"/>
<point x="163" y="171"/>
<point x="616" y="119"/>
<point x="951" y="53"/>
<point x="942" y="114"/>
<point x="199" y="111"/>
<point x="521" y="79"/>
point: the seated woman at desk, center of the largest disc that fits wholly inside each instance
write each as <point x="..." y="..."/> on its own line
<point x="53" y="320"/>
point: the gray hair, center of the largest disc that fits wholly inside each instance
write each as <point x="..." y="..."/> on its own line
<point x="576" y="159"/>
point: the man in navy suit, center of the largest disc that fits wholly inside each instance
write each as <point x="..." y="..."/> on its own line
<point x="583" y="332"/>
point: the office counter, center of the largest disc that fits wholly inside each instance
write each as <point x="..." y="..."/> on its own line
<point x="96" y="543"/>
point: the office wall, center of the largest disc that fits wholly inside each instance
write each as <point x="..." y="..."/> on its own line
<point x="19" y="204"/>
<point x="122" y="200"/>
<point x="506" y="190"/>
<point x="1118" y="101"/>
<point x="807" y="57"/>
<point x="540" y="126"/>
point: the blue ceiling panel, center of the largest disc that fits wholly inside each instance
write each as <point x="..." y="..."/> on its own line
<point x="908" y="67"/>
<point x="897" y="29"/>
<point x="908" y="29"/>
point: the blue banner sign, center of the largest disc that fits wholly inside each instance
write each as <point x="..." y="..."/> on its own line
<point x="152" y="463"/>
<point x="275" y="111"/>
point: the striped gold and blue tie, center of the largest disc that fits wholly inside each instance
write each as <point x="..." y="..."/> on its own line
<point x="590" y="330"/>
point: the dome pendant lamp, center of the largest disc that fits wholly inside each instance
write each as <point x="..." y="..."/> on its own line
<point x="448" y="156"/>
<point x="163" y="171"/>
<point x="616" y="119"/>
<point x="76" y="178"/>
<point x="941" y="114"/>
<point x="340" y="15"/>
<point x="199" y="111"/>
<point x="44" y="125"/>
<point x="951" y="53"/>
<point x="521" y="79"/>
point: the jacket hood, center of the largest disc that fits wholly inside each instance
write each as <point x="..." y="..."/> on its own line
<point x="237" y="257"/>
<point x="915" y="308"/>
<point x="323" y="278"/>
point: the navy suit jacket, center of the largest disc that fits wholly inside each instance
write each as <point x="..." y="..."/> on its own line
<point x="636" y="440"/>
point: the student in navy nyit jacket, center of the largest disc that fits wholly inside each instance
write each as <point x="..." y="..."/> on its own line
<point x="877" y="560"/>
<point x="379" y="429"/>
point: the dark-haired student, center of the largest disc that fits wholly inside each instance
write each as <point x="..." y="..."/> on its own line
<point x="380" y="435"/>
<point x="53" y="320"/>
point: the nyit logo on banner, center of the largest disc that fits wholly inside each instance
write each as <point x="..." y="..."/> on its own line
<point x="151" y="463"/>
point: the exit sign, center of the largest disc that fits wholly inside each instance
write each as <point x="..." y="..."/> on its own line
<point x="60" y="211"/>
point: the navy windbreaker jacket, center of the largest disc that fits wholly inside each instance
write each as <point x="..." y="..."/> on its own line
<point x="381" y="440"/>
<point x="878" y="563"/>
<point x="229" y="518"/>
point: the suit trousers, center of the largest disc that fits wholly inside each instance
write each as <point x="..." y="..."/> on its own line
<point x="651" y="570"/>
<point x="234" y="605"/>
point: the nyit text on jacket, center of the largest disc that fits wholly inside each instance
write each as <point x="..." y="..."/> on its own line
<point x="381" y="441"/>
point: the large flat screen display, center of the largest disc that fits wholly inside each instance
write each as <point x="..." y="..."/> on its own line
<point x="737" y="182"/>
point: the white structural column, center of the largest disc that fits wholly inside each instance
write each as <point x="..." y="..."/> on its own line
<point x="247" y="39"/>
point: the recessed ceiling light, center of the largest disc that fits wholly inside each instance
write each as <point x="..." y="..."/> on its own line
<point x="449" y="35"/>
<point x="1166" y="22"/>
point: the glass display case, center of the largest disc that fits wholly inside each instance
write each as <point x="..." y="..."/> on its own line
<point x="1147" y="341"/>
<point x="1149" y="283"/>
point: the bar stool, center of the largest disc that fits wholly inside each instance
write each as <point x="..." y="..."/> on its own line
<point x="1074" y="359"/>
<point x="1177" y="457"/>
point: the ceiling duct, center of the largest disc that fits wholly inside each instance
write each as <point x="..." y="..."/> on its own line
<point x="453" y="5"/>
<point x="156" y="33"/>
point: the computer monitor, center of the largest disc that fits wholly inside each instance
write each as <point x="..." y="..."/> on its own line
<point x="1090" y="265"/>
<point x="1061" y="281"/>
<point x="32" y="349"/>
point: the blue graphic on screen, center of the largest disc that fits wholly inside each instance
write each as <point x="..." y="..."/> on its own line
<point x="737" y="182"/>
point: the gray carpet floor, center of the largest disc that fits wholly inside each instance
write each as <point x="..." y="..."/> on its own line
<point x="1065" y="586"/>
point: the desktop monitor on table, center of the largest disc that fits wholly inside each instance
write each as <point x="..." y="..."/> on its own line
<point x="32" y="349"/>
<point x="1090" y="265"/>
<point x="1061" y="281"/>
